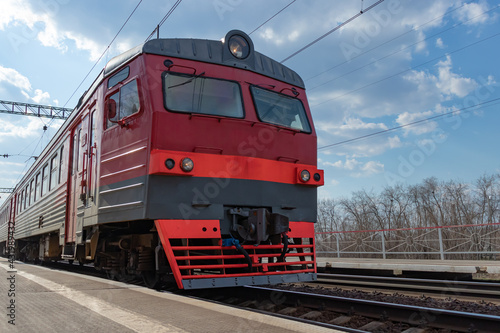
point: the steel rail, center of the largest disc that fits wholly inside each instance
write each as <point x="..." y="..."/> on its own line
<point x="487" y="290"/>
<point x="413" y="315"/>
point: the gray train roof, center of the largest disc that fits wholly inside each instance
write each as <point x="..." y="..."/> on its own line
<point x="209" y="51"/>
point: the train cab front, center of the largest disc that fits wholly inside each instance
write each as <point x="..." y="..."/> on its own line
<point x="232" y="184"/>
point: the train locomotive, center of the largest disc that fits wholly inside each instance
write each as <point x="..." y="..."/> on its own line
<point x="188" y="161"/>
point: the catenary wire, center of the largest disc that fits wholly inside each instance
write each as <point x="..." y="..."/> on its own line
<point x="106" y="50"/>
<point x="386" y="42"/>
<point x="403" y="49"/>
<point x="86" y="76"/>
<point x="407" y="70"/>
<point x="21" y="174"/>
<point x="332" y="30"/>
<point x="269" y="19"/>
<point x="465" y="109"/>
<point x="174" y="6"/>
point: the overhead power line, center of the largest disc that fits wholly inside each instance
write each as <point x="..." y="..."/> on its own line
<point x="102" y="55"/>
<point x="334" y="29"/>
<point x="282" y="9"/>
<point x="397" y="51"/>
<point x="466" y="109"/>
<point x="157" y="29"/>
<point x="409" y="69"/>
<point x="386" y="42"/>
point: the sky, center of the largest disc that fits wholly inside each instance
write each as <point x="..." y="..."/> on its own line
<point x="434" y="62"/>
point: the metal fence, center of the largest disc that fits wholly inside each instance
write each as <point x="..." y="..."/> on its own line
<point x="459" y="242"/>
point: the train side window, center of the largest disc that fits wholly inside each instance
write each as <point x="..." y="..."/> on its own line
<point x="45" y="179"/>
<point x="32" y="191"/>
<point x="61" y="164"/>
<point x="54" y="165"/>
<point x="125" y="103"/>
<point x="21" y="202"/>
<point x="26" y="196"/>
<point x="118" y="77"/>
<point x="37" y="186"/>
<point x="113" y="120"/>
<point x="129" y="99"/>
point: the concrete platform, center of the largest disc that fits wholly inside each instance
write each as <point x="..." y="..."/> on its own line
<point x="47" y="300"/>
<point x="480" y="267"/>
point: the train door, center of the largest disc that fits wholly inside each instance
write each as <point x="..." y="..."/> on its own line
<point x="92" y="164"/>
<point x="82" y="177"/>
<point x="70" y="230"/>
<point x="77" y="187"/>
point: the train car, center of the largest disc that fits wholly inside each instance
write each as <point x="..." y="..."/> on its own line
<point x="187" y="161"/>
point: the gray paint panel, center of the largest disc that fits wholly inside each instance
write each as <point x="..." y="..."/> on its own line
<point x="248" y="280"/>
<point x="205" y="198"/>
<point x="177" y="197"/>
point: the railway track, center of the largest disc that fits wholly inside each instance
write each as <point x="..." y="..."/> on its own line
<point x="446" y="288"/>
<point x="341" y="313"/>
<point x="352" y="315"/>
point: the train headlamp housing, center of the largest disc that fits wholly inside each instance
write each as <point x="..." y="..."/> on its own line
<point x="305" y="176"/>
<point x="169" y="163"/>
<point x="187" y="164"/>
<point x="238" y="49"/>
<point x="317" y="177"/>
<point x="238" y="46"/>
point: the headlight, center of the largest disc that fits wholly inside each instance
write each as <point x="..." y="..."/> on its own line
<point x="317" y="177"/>
<point x="238" y="46"/>
<point x="169" y="163"/>
<point x="187" y="164"/>
<point x="305" y="175"/>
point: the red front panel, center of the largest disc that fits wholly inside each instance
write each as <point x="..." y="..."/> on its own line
<point x="239" y="167"/>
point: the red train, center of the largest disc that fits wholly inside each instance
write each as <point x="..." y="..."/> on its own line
<point x="186" y="159"/>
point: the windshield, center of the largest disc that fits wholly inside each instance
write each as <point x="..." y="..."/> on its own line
<point x="193" y="94"/>
<point x="280" y="109"/>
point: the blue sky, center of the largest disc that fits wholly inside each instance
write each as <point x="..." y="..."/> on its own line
<point x="400" y="62"/>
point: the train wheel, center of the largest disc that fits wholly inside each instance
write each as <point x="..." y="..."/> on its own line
<point x="112" y="275"/>
<point x="151" y="279"/>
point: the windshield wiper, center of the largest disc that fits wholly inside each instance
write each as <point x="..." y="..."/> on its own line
<point x="187" y="81"/>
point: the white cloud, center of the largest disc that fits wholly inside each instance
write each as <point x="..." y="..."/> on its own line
<point x="269" y="35"/>
<point x="421" y="128"/>
<point x="443" y="86"/>
<point x="20" y="12"/>
<point x="453" y="84"/>
<point x="349" y="126"/>
<point x="352" y="128"/>
<point x="370" y="168"/>
<point x="349" y="164"/>
<point x="41" y="97"/>
<point x="439" y="43"/>
<point x="16" y="79"/>
<point x="294" y="35"/>
<point x="420" y="47"/>
<point x="394" y="142"/>
<point x="358" y="169"/>
<point x="471" y="13"/>
<point x="11" y="164"/>
<point x="28" y="128"/>
<point x="13" y="77"/>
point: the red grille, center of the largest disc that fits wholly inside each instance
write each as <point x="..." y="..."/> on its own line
<point x="194" y="253"/>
